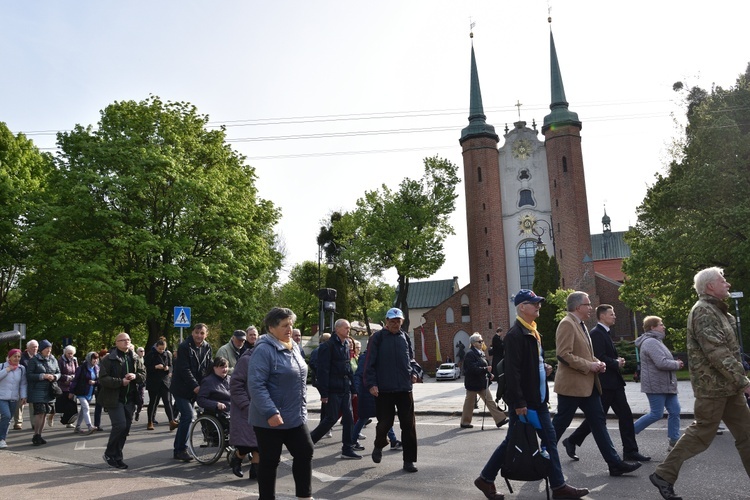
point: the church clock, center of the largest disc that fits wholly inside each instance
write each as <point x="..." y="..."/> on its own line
<point x="522" y="149"/>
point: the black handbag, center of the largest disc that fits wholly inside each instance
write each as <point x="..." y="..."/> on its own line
<point x="54" y="389"/>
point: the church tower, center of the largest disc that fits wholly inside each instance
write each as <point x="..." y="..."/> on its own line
<point x="567" y="185"/>
<point x="487" y="299"/>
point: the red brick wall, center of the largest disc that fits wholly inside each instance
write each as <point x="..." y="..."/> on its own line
<point x="488" y="296"/>
<point x="570" y="215"/>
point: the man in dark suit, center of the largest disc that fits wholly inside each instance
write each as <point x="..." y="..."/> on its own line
<point x="577" y="381"/>
<point x="613" y="389"/>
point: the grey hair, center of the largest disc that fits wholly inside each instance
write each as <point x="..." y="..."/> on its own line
<point x="278" y="314"/>
<point x="476" y="337"/>
<point x="31" y="343"/>
<point x="70" y="348"/>
<point x="706" y="276"/>
<point x="339" y="322"/>
<point x="575" y="299"/>
<point x="251" y="327"/>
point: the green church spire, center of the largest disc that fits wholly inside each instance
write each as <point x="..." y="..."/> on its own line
<point x="560" y="114"/>
<point x="478" y="126"/>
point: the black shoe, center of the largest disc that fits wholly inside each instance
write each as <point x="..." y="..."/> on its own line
<point x="377" y="454"/>
<point x="467" y="426"/>
<point x="350" y="454"/>
<point x="666" y="488"/>
<point x="570" y="449"/>
<point x="155" y="422"/>
<point x="635" y="457"/>
<point x="183" y="455"/>
<point x="137" y="416"/>
<point x="409" y="467"/>
<point x="500" y="424"/>
<point x="35" y="440"/>
<point x="41" y="440"/>
<point x="253" y="472"/>
<point x="623" y="468"/>
<point x="236" y="464"/>
<point x="117" y="464"/>
<point x="358" y="447"/>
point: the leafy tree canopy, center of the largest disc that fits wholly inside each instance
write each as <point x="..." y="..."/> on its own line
<point x="697" y="214"/>
<point x="148" y="211"/>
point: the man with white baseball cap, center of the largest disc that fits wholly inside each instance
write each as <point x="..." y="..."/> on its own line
<point x="389" y="376"/>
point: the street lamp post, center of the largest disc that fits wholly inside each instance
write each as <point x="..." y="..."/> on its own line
<point x="326" y="296"/>
<point x="539" y="232"/>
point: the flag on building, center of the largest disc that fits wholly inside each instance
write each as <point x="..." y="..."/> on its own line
<point x="424" y="350"/>
<point x="437" y="346"/>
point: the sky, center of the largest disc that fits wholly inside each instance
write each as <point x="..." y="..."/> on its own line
<point x="329" y="99"/>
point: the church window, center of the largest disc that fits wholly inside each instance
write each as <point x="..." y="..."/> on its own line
<point x="526" y="263"/>
<point x="488" y="277"/>
<point x="489" y="301"/>
<point x="485" y="230"/>
<point x="479" y="174"/>
<point x="465" y="313"/>
<point x="525" y="198"/>
<point x="484" y="207"/>
<point x="486" y="253"/>
<point x="490" y="326"/>
<point x="449" y="315"/>
<point x="565" y="163"/>
<point x="524" y="175"/>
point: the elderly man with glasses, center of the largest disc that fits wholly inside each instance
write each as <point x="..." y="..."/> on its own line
<point x="477" y="374"/>
<point x="577" y="381"/>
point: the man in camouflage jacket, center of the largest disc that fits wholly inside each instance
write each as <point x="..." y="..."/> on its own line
<point x="718" y="379"/>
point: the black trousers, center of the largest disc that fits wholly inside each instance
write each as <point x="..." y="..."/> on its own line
<point x="616" y="400"/>
<point x="387" y="406"/>
<point x="299" y="443"/>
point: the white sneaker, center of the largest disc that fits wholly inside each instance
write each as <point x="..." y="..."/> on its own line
<point x="3" y="444"/>
<point x="362" y="436"/>
<point x="327" y="435"/>
<point x="672" y="443"/>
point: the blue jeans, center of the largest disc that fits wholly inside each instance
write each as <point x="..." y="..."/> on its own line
<point x="591" y="407"/>
<point x="187" y="413"/>
<point x="337" y="403"/>
<point x="7" y="409"/>
<point x="658" y="402"/>
<point x="548" y="439"/>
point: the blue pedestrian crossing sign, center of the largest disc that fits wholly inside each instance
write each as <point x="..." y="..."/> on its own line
<point x="181" y="317"/>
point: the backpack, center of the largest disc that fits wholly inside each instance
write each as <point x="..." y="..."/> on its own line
<point x="524" y="460"/>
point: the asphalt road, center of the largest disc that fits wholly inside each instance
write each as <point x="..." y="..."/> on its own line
<point x="449" y="460"/>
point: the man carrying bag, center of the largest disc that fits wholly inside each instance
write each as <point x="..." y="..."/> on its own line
<point x="526" y="389"/>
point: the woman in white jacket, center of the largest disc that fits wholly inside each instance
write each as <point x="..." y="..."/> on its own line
<point x="13" y="390"/>
<point x="658" y="379"/>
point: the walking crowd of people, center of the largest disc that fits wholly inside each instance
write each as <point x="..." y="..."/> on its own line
<point x="258" y="386"/>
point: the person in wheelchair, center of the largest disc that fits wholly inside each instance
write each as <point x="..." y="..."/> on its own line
<point x="213" y="395"/>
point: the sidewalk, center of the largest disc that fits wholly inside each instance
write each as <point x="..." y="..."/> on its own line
<point x="447" y="398"/>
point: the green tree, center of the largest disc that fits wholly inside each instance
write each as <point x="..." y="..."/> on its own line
<point x="148" y="211"/>
<point x="696" y="215"/>
<point x="300" y="294"/>
<point x="405" y="229"/>
<point x="545" y="284"/>
<point x="23" y="173"/>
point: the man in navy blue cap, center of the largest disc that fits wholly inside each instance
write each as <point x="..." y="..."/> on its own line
<point x="389" y="376"/>
<point x="526" y="393"/>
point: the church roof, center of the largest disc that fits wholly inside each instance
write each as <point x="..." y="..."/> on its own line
<point x="428" y="294"/>
<point x="560" y="114"/>
<point x="609" y="245"/>
<point x="478" y="126"/>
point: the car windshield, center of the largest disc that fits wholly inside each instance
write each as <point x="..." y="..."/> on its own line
<point x="446" y="367"/>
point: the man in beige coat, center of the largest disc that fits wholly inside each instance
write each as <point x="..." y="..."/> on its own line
<point x="577" y="381"/>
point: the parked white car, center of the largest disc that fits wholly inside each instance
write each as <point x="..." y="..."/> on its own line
<point x="448" y="371"/>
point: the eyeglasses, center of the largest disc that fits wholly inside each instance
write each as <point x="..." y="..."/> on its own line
<point x="587" y="304"/>
<point x="123" y="340"/>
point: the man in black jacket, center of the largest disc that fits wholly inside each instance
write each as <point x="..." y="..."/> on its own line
<point x="477" y="373"/>
<point x="194" y="361"/>
<point x="526" y="389"/>
<point x="335" y="382"/>
<point x="613" y="390"/>
<point x="120" y="372"/>
<point x="389" y="377"/>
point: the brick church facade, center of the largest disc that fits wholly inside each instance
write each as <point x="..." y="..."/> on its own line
<point x="529" y="189"/>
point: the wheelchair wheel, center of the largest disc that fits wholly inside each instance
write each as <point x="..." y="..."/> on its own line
<point x="206" y="439"/>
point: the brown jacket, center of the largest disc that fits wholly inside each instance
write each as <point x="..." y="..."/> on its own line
<point x="574" y="353"/>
